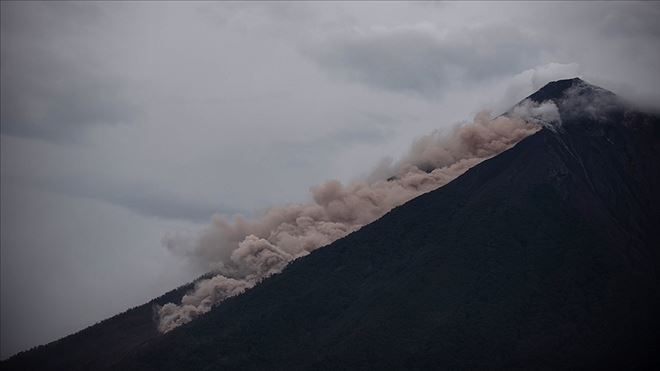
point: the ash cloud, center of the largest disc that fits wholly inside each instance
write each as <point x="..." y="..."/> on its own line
<point x="241" y="252"/>
<point x="545" y="114"/>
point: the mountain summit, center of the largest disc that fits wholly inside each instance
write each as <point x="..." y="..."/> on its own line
<point x="588" y="106"/>
<point x="556" y="90"/>
<point x="543" y="257"/>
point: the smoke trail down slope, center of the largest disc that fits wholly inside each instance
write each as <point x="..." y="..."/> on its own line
<point x="242" y="252"/>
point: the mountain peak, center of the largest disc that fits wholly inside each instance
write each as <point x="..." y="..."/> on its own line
<point x="545" y="242"/>
<point x="578" y="104"/>
<point x="556" y="89"/>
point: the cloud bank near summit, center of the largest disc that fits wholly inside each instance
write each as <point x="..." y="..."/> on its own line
<point x="424" y="58"/>
<point x="242" y="252"/>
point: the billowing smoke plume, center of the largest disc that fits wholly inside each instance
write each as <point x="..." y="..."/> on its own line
<point x="243" y="252"/>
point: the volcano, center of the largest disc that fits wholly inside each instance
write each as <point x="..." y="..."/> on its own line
<point x="546" y="256"/>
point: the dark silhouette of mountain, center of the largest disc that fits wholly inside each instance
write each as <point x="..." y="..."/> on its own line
<point x="101" y="345"/>
<point x="546" y="256"/>
<point x="555" y="90"/>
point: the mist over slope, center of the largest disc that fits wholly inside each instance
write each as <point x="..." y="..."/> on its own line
<point x="542" y="257"/>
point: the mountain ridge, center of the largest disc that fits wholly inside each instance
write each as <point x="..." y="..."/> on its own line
<point x="555" y="89"/>
<point x="358" y="354"/>
<point x="583" y="198"/>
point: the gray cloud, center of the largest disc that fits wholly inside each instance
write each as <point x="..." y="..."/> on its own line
<point x="423" y="58"/>
<point x="147" y="203"/>
<point x="53" y="79"/>
<point x="146" y="200"/>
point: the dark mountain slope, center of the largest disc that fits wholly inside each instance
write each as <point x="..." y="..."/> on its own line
<point x="544" y="257"/>
<point x="98" y="346"/>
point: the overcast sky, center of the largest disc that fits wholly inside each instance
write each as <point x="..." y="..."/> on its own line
<point x="121" y="122"/>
